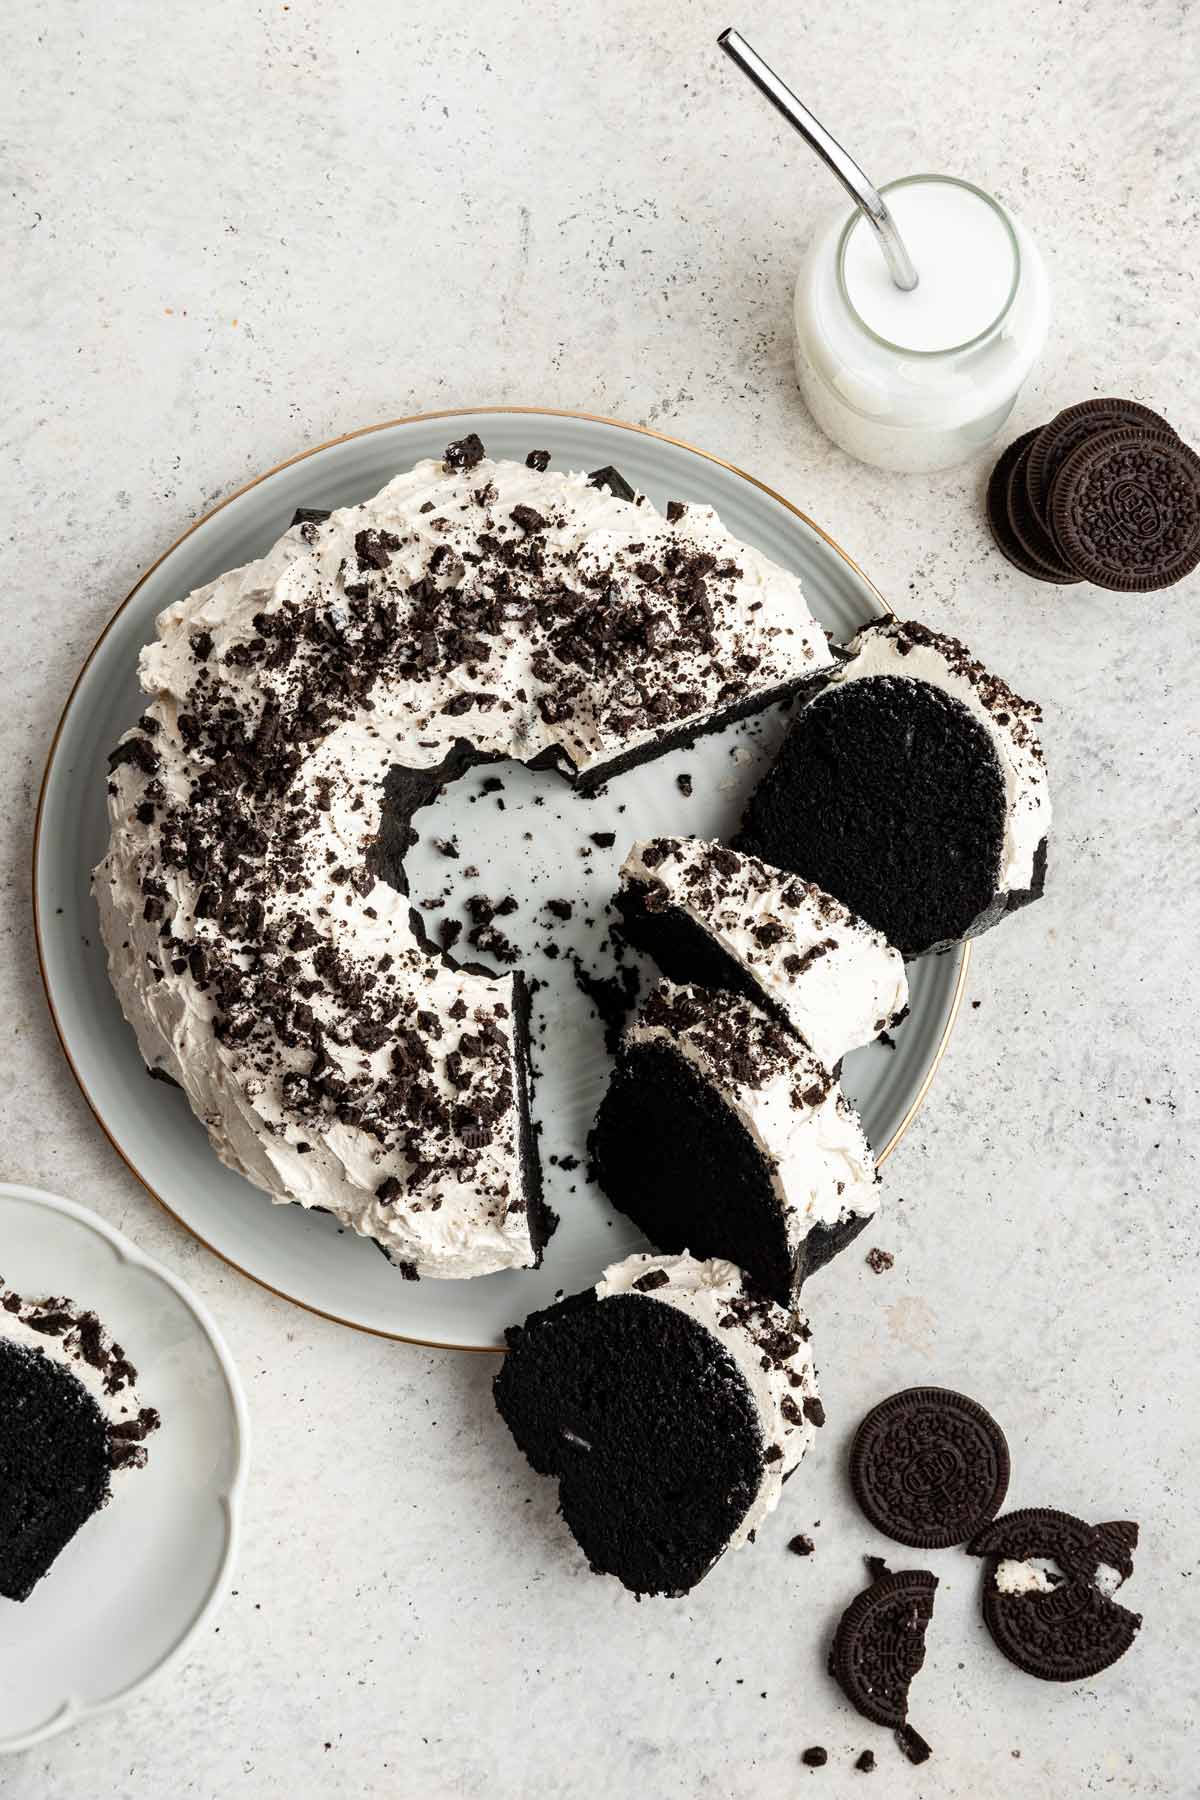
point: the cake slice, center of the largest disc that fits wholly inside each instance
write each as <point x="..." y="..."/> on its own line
<point x="672" y="1401"/>
<point x="912" y="786"/>
<point x="721" y="1133"/>
<point x="709" y="915"/>
<point x="70" y="1418"/>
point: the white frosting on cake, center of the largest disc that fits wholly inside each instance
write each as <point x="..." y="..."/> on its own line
<point x="112" y="1388"/>
<point x="713" y="1292"/>
<point x="887" y="648"/>
<point x="457" y="621"/>
<point x="588" y="533"/>
<point x="469" y="1231"/>
<point x="822" y="1168"/>
<point x="836" y="979"/>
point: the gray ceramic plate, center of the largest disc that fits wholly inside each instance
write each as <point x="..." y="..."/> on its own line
<point x="303" y="1256"/>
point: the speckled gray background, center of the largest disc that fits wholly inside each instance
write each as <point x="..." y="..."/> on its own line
<point x="235" y="230"/>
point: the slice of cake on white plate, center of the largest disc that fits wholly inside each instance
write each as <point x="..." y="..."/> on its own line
<point x="71" y="1420"/>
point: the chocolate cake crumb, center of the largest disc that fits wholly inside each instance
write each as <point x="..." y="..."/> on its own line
<point x="815" y="1757"/>
<point x="684" y="784"/>
<point x="539" y="460"/>
<point x="801" y="1545"/>
<point x="614" y="997"/>
<point x="879" y="1260"/>
<point x="866" y="1762"/>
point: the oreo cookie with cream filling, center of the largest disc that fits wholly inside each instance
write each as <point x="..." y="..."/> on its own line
<point x="928" y="1466"/>
<point x="1048" y="1586"/>
<point x="1125" y="507"/>
<point x="1075" y="425"/>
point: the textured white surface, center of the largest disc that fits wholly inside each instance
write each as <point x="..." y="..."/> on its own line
<point x="420" y="207"/>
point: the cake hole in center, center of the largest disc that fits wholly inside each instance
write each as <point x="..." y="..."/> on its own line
<point x="512" y="868"/>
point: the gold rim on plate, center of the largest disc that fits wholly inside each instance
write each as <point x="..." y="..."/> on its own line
<point x="457" y="412"/>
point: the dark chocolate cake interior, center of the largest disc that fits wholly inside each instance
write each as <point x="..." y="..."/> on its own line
<point x="669" y="1152"/>
<point x="649" y="1426"/>
<point x="55" y="1460"/>
<point x="889" y="794"/>
<point x="684" y="950"/>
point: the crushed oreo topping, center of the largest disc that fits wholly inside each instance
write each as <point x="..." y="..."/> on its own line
<point x="465" y="453"/>
<point x="84" y="1340"/>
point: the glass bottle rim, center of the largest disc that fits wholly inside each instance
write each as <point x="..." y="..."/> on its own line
<point x="948" y="349"/>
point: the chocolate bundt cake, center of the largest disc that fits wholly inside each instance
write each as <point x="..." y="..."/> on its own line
<point x="301" y="709"/>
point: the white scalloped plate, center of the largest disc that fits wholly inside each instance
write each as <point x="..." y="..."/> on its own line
<point x="137" y="1582"/>
<point x="302" y="1256"/>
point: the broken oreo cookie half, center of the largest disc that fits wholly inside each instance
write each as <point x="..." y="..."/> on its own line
<point x="929" y="1466"/>
<point x="1047" y="1591"/>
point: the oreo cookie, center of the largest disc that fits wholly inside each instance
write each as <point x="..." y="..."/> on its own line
<point x="1125" y="508"/>
<point x="1028" y="527"/>
<point x="1071" y="427"/>
<point x="879" y="1645"/>
<point x="929" y="1466"/>
<point x="998" y="517"/>
<point x="1047" y="1591"/>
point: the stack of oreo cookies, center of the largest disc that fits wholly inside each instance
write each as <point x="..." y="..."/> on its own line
<point x="1107" y="492"/>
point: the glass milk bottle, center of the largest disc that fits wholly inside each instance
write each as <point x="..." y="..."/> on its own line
<point x="920" y="379"/>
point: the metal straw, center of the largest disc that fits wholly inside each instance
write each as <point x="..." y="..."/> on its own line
<point x="867" y="198"/>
